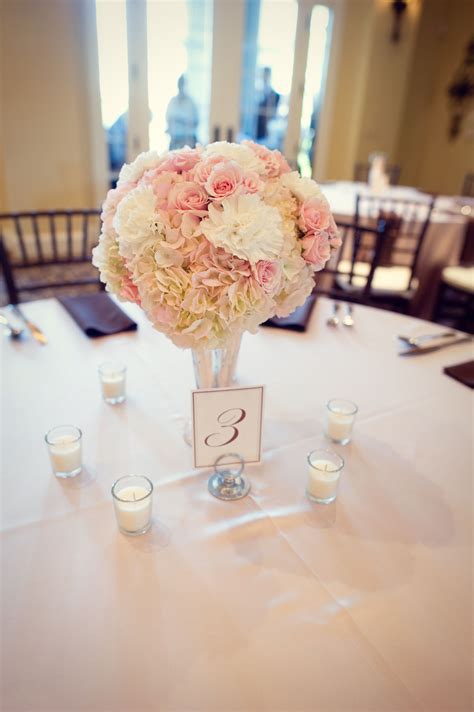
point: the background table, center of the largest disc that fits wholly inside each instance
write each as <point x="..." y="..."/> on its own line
<point x="443" y="242"/>
<point x="268" y="603"/>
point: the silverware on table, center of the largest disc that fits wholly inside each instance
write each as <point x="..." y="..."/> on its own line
<point x="423" y="338"/>
<point x="36" y="332"/>
<point x="348" y="319"/>
<point x="334" y="319"/>
<point x="14" y="332"/>
<point x="417" y="350"/>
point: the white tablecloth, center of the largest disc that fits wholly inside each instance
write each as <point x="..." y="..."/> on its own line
<point x="268" y="603"/>
<point x="443" y="241"/>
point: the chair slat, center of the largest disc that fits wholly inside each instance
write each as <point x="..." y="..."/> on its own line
<point x="70" y="253"/>
<point x="54" y="243"/>
<point x="85" y="234"/>
<point x="21" y="241"/>
<point x="39" y="249"/>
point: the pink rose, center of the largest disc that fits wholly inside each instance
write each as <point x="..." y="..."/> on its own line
<point x="252" y="182"/>
<point x="183" y="160"/>
<point x="203" y="169"/>
<point x="275" y="163"/>
<point x="224" y="180"/>
<point x="335" y="241"/>
<point x="188" y="196"/>
<point x="129" y="291"/>
<point x="268" y="275"/>
<point x="315" y="214"/>
<point x="316" y="249"/>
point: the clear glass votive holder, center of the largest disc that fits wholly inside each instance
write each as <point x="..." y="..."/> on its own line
<point x="324" y="472"/>
<point x="340" y="418"/>
<point x="112" y="376"/>
<point x="133" y="500"/>
<point x="64" y="444"/>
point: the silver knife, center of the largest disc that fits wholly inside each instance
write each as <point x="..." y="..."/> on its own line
<point x="417" y="350"/>
<point x="36" y="333"/>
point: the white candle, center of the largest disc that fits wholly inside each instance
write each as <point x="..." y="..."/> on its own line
<point x="323" y="480"/>
<point x="112" y="381"/>
<point x="339" y="426"/>
<point x="133" y="514"/>
<point x="340" y="417"/>
<point x="65" y="454"/>
<point x="113" y="386"/>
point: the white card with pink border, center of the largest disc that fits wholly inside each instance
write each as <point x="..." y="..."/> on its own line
<point x="225" y="421"/>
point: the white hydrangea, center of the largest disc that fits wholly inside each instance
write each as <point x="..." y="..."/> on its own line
<point x="303" y="188"/>
<point x="242" y="155"/>
<point x="246" y="227"/>
<point x="134" y="170"/>
<point x="136" y="220"/>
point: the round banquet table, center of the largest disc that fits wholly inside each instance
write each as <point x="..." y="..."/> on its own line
<point x="267" y="603"/>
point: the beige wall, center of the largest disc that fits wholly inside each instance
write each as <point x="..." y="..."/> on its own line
<point x="45" y="141"/>
<point x="371" y="83"/>
<point x="427" y="156"/>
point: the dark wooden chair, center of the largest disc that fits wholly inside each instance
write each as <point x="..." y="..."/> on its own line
<point x="467" y="189"/>
<point x="361" y="173"/>
<point x="48" y="252"/>
<point x="361" y="290"/>
<point x="455" y="300"/>
<point x="390" y="258"/>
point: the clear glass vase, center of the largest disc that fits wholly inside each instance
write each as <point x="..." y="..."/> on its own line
<point x="214" y="368"/>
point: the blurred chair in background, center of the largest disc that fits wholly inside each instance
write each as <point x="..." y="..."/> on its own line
<point x="387" y="259"/>
<point x="455" y="302"/>
<point x="467" y="189"/>
<point x="44" y="254"/>
<point x="361" y="173"/>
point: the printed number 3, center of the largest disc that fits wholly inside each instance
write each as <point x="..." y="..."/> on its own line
<point x="228" y="419"/>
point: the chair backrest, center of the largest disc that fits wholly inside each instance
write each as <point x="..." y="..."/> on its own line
<point x="406" y="223"/>
<point x="37" y="242"/>
<point x="361" y="173"/>
<point x="467" y="189"/>
<point x="364" y="237"/>
<point x="49" y="237"/>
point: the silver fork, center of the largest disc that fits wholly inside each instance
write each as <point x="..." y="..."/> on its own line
<point x="334" y="319"/>
<point x="348" y="319"/>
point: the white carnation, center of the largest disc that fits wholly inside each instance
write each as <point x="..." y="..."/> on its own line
<point x="134" y="170"/>
<point x="244" y="226"/>
<point x="303" y="188"/>
<point x="136" y="220"/>
<point x="242" y="155"/>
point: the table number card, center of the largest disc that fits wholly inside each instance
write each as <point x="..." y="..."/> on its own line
<point x="227" y="420"/>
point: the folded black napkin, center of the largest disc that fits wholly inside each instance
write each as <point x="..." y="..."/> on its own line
<point x="298" y="321"/>
<point x="463" y="372"/>
<point x="97" y="314"/>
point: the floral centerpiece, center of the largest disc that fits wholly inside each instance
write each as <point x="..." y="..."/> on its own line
<point x="213" y="241"/>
